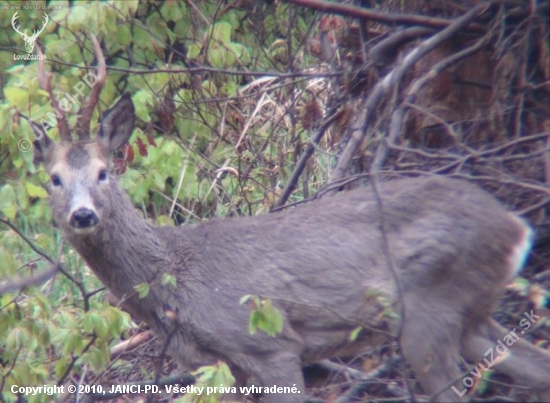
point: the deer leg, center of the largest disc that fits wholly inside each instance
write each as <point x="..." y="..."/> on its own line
<point x="283" y="369"/>
<point x="527" y="364"/>
<point x="240" y="381"/>
<point x="430" y="343"/>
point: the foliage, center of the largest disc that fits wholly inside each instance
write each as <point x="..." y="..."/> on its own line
<point x="263" y="316"/>
<point x="216" y="380"/>
<point x="189" y="158"/>
<point x="228" y="96"/>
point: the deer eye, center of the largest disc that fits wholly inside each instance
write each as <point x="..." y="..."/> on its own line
<point x="102" y="175"/>
<point x="56" y="180"/>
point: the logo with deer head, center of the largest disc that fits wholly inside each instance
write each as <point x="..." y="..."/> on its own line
<point x="29" y="40"/>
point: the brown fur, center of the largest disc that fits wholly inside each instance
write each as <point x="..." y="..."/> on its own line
<point x="453" y="245"/>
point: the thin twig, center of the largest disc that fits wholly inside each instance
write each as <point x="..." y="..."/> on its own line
<point x="379" y="16"/>
<point x="386" y="50"/>
<point x="375" y="184"/>
<point x="206" y="69"/>
<point x="303" y="159"/>
<point x="24" y="282"/>
<point x="354" y="393"/>
<point x="74" y="359"/>
<point x="27" y="240"/>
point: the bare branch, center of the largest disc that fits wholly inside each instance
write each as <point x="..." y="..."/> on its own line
<point x="383" y="86"/>
<point x="206" y="69"/>
<point x="132" y="343"/>
<point x="387" y="49"/>
<point x="355" y="393"/>
<point x="369" y="14"/>
<point x="398" y="116"/>
<point x="303" y="159"/>
<point x="24" y="282"/>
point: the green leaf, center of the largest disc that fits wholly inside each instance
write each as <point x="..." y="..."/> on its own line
<point x="168" y="279"/>
<point x="8" y="265"/>
<point x="9" y="211"/>
<point x="159" y="81"/>
<point x="61" y="46"/>
<point x="170" y="148"/>
<point x="44" y="304"/>
<point x="44" y="241"/>
<point x="79" y="18"/>
<point x="15" y="339"/>
<point x="61" y="367"/>
<point x="355" y="333"/>
<point x="194" y="50"/>
<point x="222" y="32"/>
<point x="94" y="323"/>
<point x="213" y="376"/>
<point x="141" y="100"/>
<point x="126" y="7"/>
<point x="241" y="52"/>
<point x="123" y="35"/>
<point x="5" y="121"/>
<point x="274" y="319"/>
<point x="7" y="201"/>
<point x="171" y="11"/>
<point x="245" y="298"/>
<point x="35" y="190"/>
<point x="17" y="96"/>
<point x="223" y="375"/>
<point x="264" y="316"/>
<point x="115" y="320"/>
<point x="142" y="289"/>
<point x="159" y="180"/>
<point x="209" y="86"/>
<point x="164" y="221"/>
<point x="217" y="57"/>
<point x="73" y="343"/>
<point x="230" y="88"/>
<point x="96" y="358"/>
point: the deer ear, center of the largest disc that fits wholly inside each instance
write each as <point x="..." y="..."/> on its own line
<point x="117" y="124"/>
<point x="43" y="145"/>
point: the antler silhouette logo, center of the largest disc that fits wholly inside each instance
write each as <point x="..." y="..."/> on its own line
<point x="29" y="40"/>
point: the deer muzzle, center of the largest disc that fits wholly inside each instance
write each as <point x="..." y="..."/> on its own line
<point x="84" y="220"/>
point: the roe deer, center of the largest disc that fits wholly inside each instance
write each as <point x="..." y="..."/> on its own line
<point x="454" y="248"/>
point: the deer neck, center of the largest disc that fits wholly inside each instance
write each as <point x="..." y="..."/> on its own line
<point x="125" y="250"/>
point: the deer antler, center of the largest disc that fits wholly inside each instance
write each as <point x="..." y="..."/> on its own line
<point x="45" y="81"/>
<point x="85" y="113"/>
<point x="13" y="24"/>
<point x="43" y="26"/>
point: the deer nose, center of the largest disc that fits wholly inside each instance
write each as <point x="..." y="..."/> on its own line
<point x="84" y="218"/>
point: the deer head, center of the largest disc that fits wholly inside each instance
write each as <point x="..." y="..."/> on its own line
<point x="80" y="170"/>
